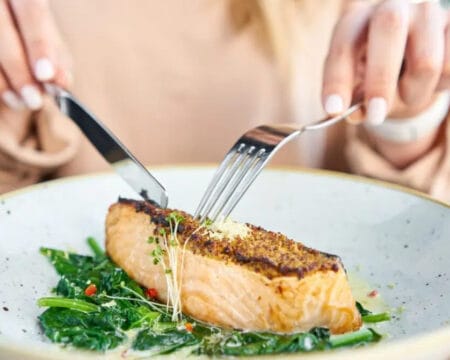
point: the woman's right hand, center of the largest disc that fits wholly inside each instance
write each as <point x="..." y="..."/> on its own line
<point x="31" y="53"/>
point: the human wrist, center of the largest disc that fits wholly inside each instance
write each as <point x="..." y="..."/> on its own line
<point x="401" y="155"/>
<point x="404" y="140"/>
<point x="412" y="129"/>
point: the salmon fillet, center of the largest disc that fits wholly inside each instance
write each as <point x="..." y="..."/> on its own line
<point x="260" y="280"/>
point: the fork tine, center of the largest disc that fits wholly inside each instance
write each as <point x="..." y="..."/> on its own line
<point x="244" y="185"/>
<point x="222" y="184"/>
<point x="243" y="163"/>
<point x="220" y="180"/>
<point x="218" y="174"/>
<point x="249" y="161"/>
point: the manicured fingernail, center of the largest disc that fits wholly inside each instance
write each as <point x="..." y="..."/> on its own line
<point x="334" y="104"/>
<point x="376" y="111"/>
<point x="31" y="96"/>
<point x="44" y="70"/>
<point x="12" y="100"/>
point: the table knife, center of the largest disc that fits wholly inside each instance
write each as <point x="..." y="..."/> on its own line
<point x="110" y="147"/>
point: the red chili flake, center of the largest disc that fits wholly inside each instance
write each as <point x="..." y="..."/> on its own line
<point x="189" y="327"/>
<point x="152" y="293"/>
<point x="373" y="294"/>
<point x="90" y="290"/>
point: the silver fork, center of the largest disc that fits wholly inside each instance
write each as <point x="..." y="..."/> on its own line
<point x="247" y="158"/>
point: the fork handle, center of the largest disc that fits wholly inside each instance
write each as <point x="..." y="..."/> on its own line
<point x="331" y="120"/>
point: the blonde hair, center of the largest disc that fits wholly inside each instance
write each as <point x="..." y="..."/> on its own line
<point x="277" y="24"/>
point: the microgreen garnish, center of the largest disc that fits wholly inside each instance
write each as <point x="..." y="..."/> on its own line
<point x="166" y="254"/>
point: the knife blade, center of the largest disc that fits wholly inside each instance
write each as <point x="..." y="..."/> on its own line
<point x="110" y="147"/>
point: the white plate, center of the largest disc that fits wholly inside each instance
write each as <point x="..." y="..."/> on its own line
<point x="399" y="241"/>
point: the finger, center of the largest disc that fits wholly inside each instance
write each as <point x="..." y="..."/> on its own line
<point x="339" y="69"/>
<point x="63" y="74"/>
<point x="47" y="55"/>
<point x="424" y="55"/>
<point x="33" y="21"/>
<point x="9" y="97"/>
<point x="388" y="31"/>
<point x="444" y="82"/>
<point x="13" y="61"/>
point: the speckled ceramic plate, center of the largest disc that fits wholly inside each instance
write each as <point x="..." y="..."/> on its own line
<point x="397" y="241"/>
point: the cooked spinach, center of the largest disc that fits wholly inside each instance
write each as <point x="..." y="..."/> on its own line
<point x="251" y="343"/>
<point x="369" y="317"/>
<point x="164" y="342"/>
<point x="93" y="331"/>
<point x="362" y="310"/>
<point x="100" y="319"/>
<point x="238" y="343"/>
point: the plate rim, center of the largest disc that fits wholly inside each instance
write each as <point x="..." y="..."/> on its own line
<point x="435" y="342"/>
<point x="283" y="168"/>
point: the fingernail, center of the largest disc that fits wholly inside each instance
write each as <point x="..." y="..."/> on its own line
<point x="12" y="100"/>
<point x="376" y="111"/>
<point x="44" y="70"/>
<point x="334" y="104"/>
<point x="31" y="96"/>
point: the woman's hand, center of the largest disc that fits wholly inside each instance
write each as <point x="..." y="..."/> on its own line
<point x="395" y="53"/>
<point x="31" y="53"/>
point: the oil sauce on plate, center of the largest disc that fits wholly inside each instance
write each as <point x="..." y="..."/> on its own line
<point x="367" y="295"/>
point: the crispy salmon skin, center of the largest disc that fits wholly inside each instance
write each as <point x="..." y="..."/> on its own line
<point x="253" y="279"/>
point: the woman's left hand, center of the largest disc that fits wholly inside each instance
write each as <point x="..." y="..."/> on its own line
<point x="395" y="53"/>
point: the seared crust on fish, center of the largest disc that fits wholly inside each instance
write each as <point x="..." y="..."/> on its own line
<point x="257" y="281"/>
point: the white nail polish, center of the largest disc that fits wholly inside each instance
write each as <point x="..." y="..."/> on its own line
<point x="376" y="111"/>
<point x="31" y="96"/>
<point x="334" y="104"/>
<point x="12" y="100"/>
<point x="44" y="70"/>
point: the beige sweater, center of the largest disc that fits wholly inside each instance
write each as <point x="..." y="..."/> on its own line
<point x="177" y="84"/>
